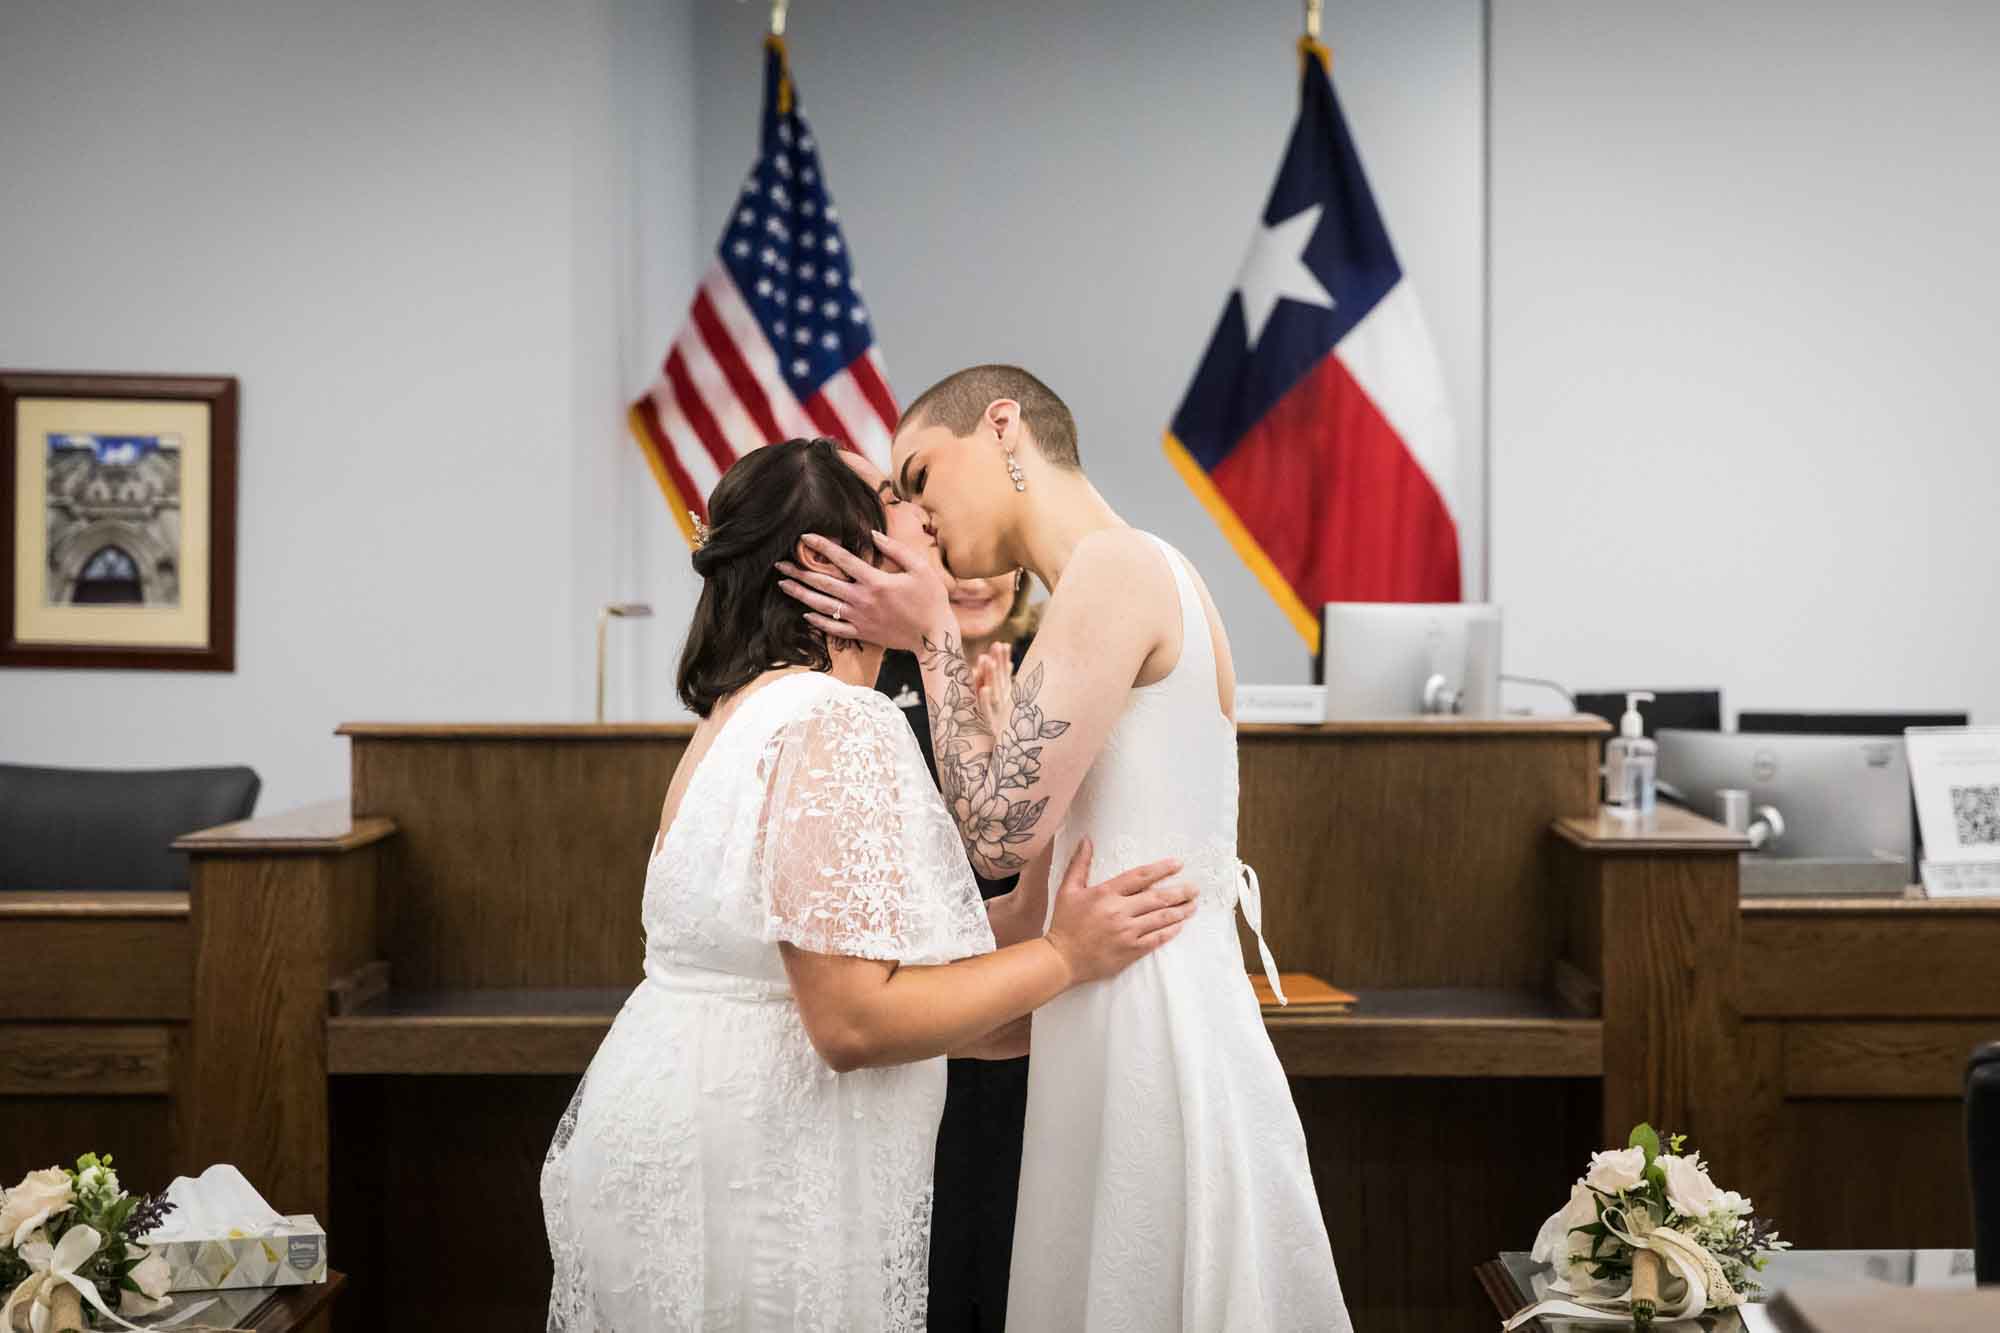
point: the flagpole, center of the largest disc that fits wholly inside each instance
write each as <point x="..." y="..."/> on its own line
<point x="775" y="40"/>
<point x="1309" y="45"/>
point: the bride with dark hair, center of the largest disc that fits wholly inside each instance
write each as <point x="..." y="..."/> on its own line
<point x="751" y="1146"/>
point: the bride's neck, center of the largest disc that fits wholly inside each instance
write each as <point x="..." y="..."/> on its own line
<point x="1064" y="508"/>
<point x="857" y="664"/>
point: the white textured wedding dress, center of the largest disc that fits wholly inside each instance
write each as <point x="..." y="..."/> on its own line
<point x="712" y="1172"/>
<point x="1164" y="1181"/>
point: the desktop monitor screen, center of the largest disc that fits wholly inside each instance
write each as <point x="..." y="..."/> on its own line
<point x="1855" y="724"/>
<point x="1690" y="710"/>
<point x="1846" y="724"/>
<point x="1377" y="657"/>
<point x="1842" y="797"/>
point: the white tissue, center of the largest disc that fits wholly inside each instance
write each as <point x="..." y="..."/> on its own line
<point x="212" y="1205"/>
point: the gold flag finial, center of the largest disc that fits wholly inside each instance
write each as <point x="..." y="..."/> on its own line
<point x="778" y="8"/>
<point x="1310" y="47"/>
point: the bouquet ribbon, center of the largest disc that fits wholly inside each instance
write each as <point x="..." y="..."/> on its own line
<point x="1681" y="1255"/>
<point x="55" y="1266"/>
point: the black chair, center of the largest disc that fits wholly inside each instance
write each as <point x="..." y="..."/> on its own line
<point x="1982" y="1142"/>
<point x="110" y="829"/>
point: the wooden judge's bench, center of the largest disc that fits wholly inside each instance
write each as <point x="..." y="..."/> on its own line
<point x="380" y="1012"/>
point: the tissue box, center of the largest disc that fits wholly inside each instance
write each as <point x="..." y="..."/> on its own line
<point x="292" y="1255"/>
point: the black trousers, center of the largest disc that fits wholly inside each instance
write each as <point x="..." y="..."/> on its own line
<point x="978" y="1181"/>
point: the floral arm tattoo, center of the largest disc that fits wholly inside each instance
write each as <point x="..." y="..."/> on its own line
<point x="977" y="778"/>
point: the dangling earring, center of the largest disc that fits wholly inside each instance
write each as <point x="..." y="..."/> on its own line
<point x="1014" y="471"/>
<point x="1018" y="576"/>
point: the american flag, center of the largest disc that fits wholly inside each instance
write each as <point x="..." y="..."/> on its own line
<point x="778" y="343"/>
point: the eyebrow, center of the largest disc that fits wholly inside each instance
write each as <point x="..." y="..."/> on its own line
<point x="903" y="478"/>
<point x="885" y="486"/>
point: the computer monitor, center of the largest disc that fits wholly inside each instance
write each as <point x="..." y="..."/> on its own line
<point x="1377" y="658"/>
<point x="1846" y="724"/>
<point x="1842" y="797"/>
<point x="1856" y="724"/>
<point x="1690" y="710"/>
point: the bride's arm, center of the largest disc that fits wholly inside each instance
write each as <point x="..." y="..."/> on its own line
<point x="859" y="1012"/>
<point x="1018" y="914"/>
<point x="1008" y="788"/>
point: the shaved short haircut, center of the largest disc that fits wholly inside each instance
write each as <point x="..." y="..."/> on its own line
<point x="958" y="401"/>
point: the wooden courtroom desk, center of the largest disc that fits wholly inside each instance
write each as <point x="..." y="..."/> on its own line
<point x="405" y="992"/>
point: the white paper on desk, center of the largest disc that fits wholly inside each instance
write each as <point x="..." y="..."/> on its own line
<point x="1955" y="777"/>
<point x="1756" y="1319"/>
<point x="211" y="1206"/>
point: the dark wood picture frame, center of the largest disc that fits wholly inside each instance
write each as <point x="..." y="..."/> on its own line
<point x="218" y="393"/>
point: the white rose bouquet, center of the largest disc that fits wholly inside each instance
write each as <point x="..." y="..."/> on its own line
<point x="68" y="1240"/>
<point x="1646" y="1230"/>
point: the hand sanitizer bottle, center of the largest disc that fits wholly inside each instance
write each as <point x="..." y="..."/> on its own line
<point x="1631" y="763"/>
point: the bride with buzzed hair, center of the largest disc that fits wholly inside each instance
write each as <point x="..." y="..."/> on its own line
<point x="751" y="1146"/>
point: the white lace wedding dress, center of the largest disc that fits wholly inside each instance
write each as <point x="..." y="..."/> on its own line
<point x="1164" y="1181"/>
<point x="712" y="1172"/>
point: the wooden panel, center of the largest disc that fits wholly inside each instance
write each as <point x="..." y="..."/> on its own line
<point x="1668" y="829"/>
<point x="1580" y="881"/>
<point x="518" y="863"/>
<point x="515" y="731"/>
<point x="1384" y="1153"/>
<point x="353" y="914"/>
<point x="96" y="956"/>
<point x="325" y="827"/>
<point x="456" y="1161"/>
<point x="1395" y="860"/>
<point x="1438" y="823"/>
<point x="363" y="986"/>
<point x="1670" y="1034"/>
<point x="1864" y="1059"/>
<point x="303" y="1309"/>
<point x="1455" y="1033"/>
<point x="46" y="1060"/>
<point x="1889" y="959"/>
<point x="24" y="905"/>
<point x="1759" y="1114"/>
<point x="1439" y="1034"/>
<point x="256" y="1092"/>
<point x="1875" y="1174"/>
<point x="36" y="1132"/>
<point x="474" y="1032"/>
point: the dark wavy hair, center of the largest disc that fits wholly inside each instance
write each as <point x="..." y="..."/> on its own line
<point x="744" y="625"/>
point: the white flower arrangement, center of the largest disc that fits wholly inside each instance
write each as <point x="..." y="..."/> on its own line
<point x="1646" y="1230"/>
<point x="64" y="1235"/>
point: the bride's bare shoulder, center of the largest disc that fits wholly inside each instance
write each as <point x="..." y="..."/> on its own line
<point x="1114" y="561"/>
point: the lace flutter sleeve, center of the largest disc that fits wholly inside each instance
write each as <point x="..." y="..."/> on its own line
<point x="858" y="855"/>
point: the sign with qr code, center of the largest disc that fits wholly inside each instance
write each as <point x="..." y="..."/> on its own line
<point x="1955" y="776"/>
<point x="1976" y="811"/>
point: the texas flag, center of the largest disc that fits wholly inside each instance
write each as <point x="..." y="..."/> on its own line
<point x="1316" y="430"/>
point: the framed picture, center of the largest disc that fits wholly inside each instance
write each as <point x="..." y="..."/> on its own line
<point x="119" y="523"/>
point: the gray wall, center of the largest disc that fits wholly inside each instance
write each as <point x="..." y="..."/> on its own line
<point x="429" y="238"/>
<point x="1073" y="187"/>
<point x="1744" y="342"/>
<point x="1742" y="294"/>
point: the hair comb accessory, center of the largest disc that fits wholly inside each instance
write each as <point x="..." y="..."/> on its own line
<point x="700" y="530"/>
